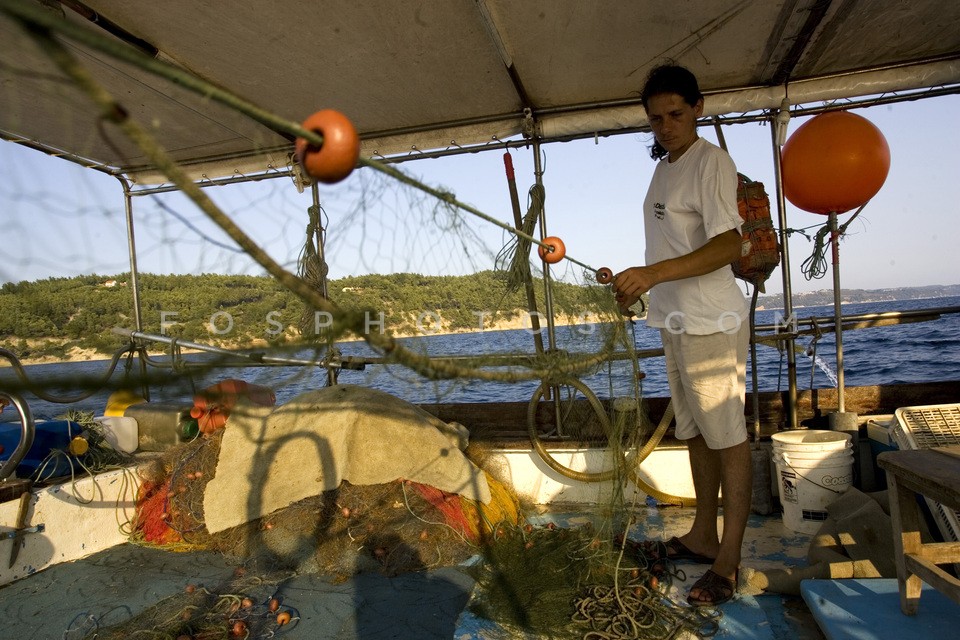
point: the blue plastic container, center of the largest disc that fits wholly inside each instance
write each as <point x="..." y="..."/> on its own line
<point x="50" y="434"/>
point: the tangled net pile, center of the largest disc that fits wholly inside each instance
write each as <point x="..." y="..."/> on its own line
<point x="544" y="579"/>
<point x="354" y="528"/>
<point x="577" y="584"/>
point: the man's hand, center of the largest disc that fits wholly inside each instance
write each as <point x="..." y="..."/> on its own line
<point x="624" y="303"/>
<point x="630" y="284"/>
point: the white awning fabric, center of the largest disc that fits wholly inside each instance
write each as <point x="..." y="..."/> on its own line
<point x="420" y="75"/>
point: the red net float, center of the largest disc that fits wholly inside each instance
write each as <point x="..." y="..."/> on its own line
<point x="333" y="160"/>
<point x="555" y="252"/>
<point x="604" y="275"/>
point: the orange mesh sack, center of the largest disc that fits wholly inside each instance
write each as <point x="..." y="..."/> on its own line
<point x="212" y="406"/>
<point x="760" y="254"/>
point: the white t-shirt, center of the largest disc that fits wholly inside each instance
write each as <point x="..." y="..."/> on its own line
<point x="690" y="201"/>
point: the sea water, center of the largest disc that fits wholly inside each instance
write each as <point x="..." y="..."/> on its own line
<point x="912" y="352"/>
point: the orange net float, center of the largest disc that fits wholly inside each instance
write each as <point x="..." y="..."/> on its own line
<point x="604" y="275"/>
<point x="834" y="162"/>
<point x="336" y="158"/>
<point x="554" y="250"/>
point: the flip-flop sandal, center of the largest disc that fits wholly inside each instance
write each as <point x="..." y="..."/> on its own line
<point x="717" y="589"/>
<point x="675" y="550"/>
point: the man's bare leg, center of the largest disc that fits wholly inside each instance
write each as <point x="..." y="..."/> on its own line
<point x="705" y="467"/>
<point x="736" y="471"/>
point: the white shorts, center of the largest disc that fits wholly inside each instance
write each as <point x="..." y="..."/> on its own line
<point x="707" y="376"/>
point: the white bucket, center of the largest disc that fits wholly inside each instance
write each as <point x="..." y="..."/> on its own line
<point x="814" y="468"/>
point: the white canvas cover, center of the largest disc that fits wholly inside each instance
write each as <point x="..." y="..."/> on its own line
<point x="416" y="75"/>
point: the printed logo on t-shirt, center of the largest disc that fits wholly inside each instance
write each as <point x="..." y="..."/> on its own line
<point x="659" y="209"/>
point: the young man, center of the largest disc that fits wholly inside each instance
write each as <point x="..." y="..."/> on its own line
<point x="692" y="230"/>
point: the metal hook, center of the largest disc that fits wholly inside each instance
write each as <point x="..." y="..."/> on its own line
<point x="300" y="181"/>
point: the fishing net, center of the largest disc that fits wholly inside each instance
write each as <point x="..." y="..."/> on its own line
<point x="254" y="486"/>
<point x="338" y="533"/>
<point x="389" y="222"/>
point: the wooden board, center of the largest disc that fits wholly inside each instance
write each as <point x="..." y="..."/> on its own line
<point x="498" y="422"/>
<point x="952" y="450"/>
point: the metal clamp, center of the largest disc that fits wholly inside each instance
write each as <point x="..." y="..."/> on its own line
<point x="19" y="533"/>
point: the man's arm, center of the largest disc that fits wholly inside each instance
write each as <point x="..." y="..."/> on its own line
<point x="719" y="251"/>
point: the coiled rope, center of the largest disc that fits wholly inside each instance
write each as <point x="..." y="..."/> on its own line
<point x="636" y="611"/>
<point x="815" y="266"/>
<point x="638" y="608"/>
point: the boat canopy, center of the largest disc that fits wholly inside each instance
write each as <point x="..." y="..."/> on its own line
<point x="421" y="75"/>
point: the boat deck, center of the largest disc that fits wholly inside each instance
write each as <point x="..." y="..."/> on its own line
<point x="73" y="600"/>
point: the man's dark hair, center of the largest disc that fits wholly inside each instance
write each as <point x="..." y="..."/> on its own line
<point x="669" y="78"/>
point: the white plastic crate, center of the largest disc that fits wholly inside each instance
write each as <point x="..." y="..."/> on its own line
<point x="925" y="427"/>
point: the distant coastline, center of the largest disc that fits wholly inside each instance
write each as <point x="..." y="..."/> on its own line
<point x="856" y="296"/>
<point x="79" y="354"/>
<point x="71" y="352"/>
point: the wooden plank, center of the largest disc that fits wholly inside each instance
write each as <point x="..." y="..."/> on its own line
<point x="498" y="421"/>
<point x="940" y="552"/>
<point x="12" y="489"/>
<point x="933" y="474"/>
<point x="933" y="575"/>
<point x="951" y="450"/>
<point x="924" y="471"/>
<point x="905" y="524"/>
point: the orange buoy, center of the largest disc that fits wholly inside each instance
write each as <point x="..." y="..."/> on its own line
<point x="834" y="162"/>
<point x="558" y="250"/>
<point x="333" y="160"/>
<point x="604" y="275"/>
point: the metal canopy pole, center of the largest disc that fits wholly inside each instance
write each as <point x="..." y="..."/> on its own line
<point x="333" y="353"/>
<point x="132" y="251"/>
<point x="785" y="274"/>
<point x="841" y="420"/>
<point x="548" y="293"/>
<point x="837" y="312"/>
<point x="134" y="280"/>
<point x="548" y="290"/>
<point x="528" y="279"/>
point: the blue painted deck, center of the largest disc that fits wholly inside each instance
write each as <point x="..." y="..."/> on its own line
<point x="870" y="610"/>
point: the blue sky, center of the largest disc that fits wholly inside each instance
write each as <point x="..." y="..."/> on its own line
<point x="61" y="220"/>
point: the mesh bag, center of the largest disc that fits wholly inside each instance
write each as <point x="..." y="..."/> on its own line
<point x="760" y="253"/>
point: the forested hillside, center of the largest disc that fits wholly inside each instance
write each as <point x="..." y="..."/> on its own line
<point x="49" y="317"/>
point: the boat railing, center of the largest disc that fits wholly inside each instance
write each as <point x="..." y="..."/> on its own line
<point x="248" y="358"/>
<point x="27" y="433"/>
<point x="768" y="334"/>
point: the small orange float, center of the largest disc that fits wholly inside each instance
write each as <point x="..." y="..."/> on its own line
<point x="556" y="250"/>
<point x="336" y="158"/>
<point x="604" y="275"/>
<point x="238" y="629"/>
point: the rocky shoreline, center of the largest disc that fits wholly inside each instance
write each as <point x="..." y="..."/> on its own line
<point x="79" y="354"/>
